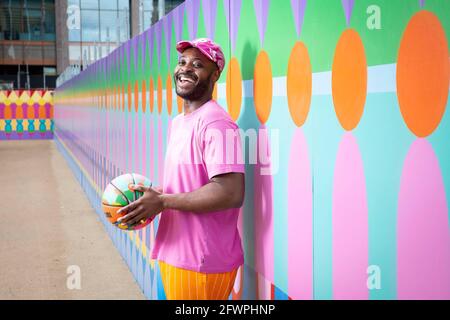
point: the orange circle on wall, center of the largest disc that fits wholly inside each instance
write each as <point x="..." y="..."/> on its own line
<point x="262" y="86"/>
<point x="180" y="103"/>
<point x="123" y="98"/>
<point x="41" y="111"/>
<point x="234" y="88"/>
<point x="169" y="93"/>
<point x="19" y="112"/>
<point x="214" y="94"/>
<point x="117" y="97"/>
<point x="349" y="79"/>
<point x="423" y="73"/>
<point x="129" y="97"/>
<point x="114" y="98"/>
<point x="159" y="94"/>
<point x="7" y="112"/>
<point x="30" y="112"/>
<point x="136" y="96"/>
<point x="299" y="83"/>
<point x="151" y="95"/>
<point x="110" y="98"/>
<point x="144" y="96"/>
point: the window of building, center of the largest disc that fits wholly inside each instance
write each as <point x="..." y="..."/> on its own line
<point x="150" y="11"/>
<point x="27" y="20"/>
<point x="108" y="26"/>
<point x="124" y="26"/>
<point x="89" y="4"/>
<point x="90" y="25"/>
<point x="108" y="5"/>
<point x="124" y="4"/>
<point x="48" y="21"/>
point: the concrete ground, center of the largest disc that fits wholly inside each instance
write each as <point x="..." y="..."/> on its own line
<point x="47" y="225"/>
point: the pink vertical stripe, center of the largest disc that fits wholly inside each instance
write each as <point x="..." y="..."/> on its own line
<point x="123" y="117"/>
<point x="130" y="142"/>
<point x="263" y="215"/>
<point x="152" y="150"/>
<point x="114" y="143"/>
<point x="108" y="136"/>
<point x="160" y="152"/>
<point x="350" y="223"/>
<point x="143" y="155"/>
<point x="300" y="245"/>
<point x="169" y="127"/>
<point x="423" y="239"/>
<point x="137" y="149"/>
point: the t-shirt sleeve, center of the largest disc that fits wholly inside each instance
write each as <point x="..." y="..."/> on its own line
<point x="222" y="149"/>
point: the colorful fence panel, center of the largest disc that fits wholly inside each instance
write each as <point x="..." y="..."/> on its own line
<point x="26" y="115"/>
<point x="346" y="103"/>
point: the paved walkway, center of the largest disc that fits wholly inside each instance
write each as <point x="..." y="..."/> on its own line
<point x="48" y="225"/>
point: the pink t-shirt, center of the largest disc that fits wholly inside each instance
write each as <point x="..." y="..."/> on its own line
<point x="202" y="144"/>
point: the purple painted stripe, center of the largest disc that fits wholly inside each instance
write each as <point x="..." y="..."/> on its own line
<point x="143" y="41"/>
<point x="150" y="41"/>
<point x="127" y="52"/>
<point x="26" y="135"/>
<point x="167" y="25"/>
<point x="298" y="9"/>
<point x="209" y="12"/>
<point x="36" y="110"/>
<point x="232" y="14"/>
<point x="47" y="110"/>
<point x="348" y="8"/>
<point x="135" y="43"/>
<point x="178" y="16"/>
<point x="25" y="110"/>
<point x="261" y="10"/>
<point x="158" y="35"/>
<point x="108" y="65"/>
<point x="13" y="110"/>
<point x="192" y="10"/>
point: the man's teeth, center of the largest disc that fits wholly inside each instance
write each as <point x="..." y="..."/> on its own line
<point x="186" y="79"/>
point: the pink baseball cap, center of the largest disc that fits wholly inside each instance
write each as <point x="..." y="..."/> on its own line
<point x="210" y="49"/>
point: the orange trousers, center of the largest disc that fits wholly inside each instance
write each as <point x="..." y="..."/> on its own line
<point x="182" y="284"/>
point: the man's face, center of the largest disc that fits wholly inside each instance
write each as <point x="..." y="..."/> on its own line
<point x="194" y="75"/>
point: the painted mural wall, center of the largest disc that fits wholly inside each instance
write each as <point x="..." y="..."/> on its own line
<point x="26" y="114"/>
<point x="344" y="104"/>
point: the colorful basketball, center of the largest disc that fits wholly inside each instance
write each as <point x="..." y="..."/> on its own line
<point x="118" y="195"/>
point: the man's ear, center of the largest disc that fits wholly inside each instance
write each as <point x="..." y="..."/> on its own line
<point x="216" y="75"/>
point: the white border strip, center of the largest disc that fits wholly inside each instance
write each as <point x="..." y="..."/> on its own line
<point x="381" y="78"/>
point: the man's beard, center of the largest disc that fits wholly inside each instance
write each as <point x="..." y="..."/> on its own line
<point x="197" y="92"/>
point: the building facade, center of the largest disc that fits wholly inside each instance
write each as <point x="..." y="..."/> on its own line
<point x="42" y="39"/>
<point x="27" y="43"/>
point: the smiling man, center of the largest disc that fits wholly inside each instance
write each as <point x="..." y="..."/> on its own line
<point x="197" y="244"/>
